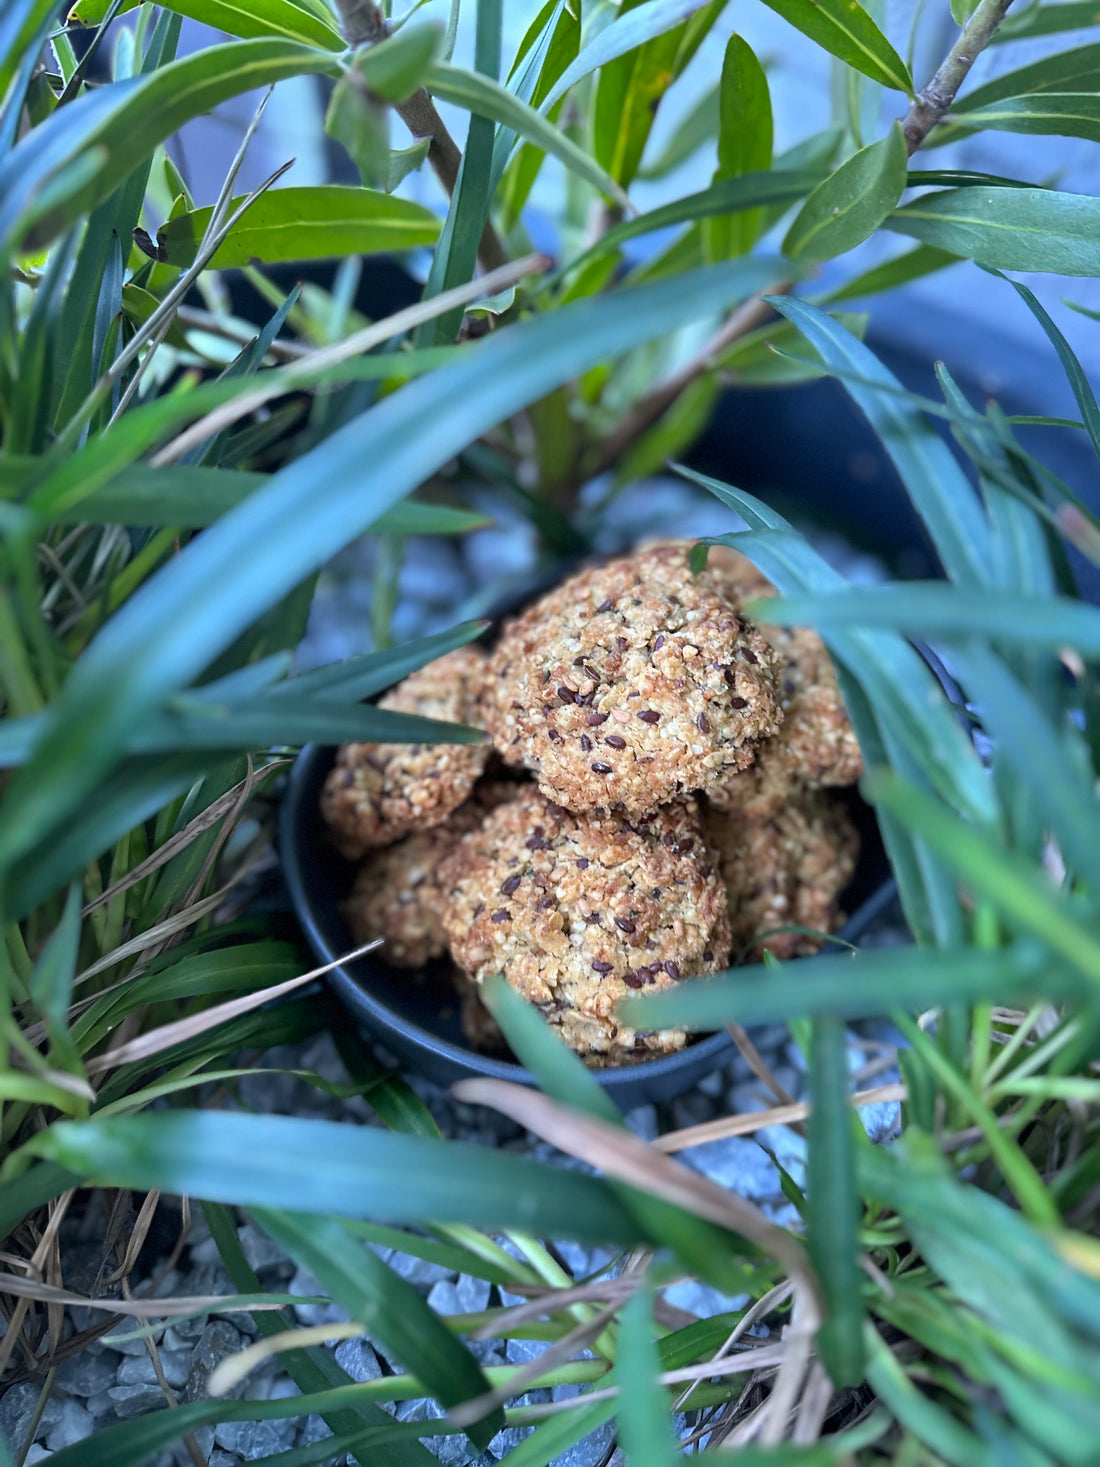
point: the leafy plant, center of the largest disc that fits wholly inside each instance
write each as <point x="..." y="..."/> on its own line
<point x="172" y="481"/>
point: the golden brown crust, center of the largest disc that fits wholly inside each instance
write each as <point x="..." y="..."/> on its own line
<point x="578" y="910"/>
<point x="815" y="746"/>
<point x="631" y="684"/>
<point x="377" y="793"/>
<point x="396" y="894"/>
<point x="787" y="868"/>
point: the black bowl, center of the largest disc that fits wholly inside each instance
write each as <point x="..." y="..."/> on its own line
<point x="415" y="1012"/>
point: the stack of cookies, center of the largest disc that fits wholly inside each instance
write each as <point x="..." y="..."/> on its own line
<point x="654" y="798"/>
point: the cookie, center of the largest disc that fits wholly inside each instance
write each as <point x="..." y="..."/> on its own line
<point x="578" y="910"/>
<point x="787" y="868"/>
<point x="396" y="894"/>
<point x="815" y="745"/>
<point x="631" y="684"/>
<point x="377" y="793"/>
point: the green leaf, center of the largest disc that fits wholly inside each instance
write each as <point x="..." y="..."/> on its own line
<point x="486" y="98"/>
<point x="191" y="498"/>
<point x="936" y="485"/>
<point x="206" y="596"/>
<point x="744" y="145"/>
<point x="832" y="1234"/>
<point x="845" y="30"/>
<point x="913" y="265"/>
<point x="1082" y="388"/>
<point x="26" y="1193"/>
<point x="762" y="357"/>
<point x="625" y="34"/>
<point x="284" y="19"/>
<point x="455" y="259"/>
<point x="855" y="986"/>
<point x="63" y="168"/>
<point x="931" y="608"/>
<point x="52" y="984"/>
<point x="1069" y="71"/>
<point x="395" y="68"/>
<point x="628" y="95"/>
<point x="388" y="1307"/>
<point x="645" y="1423"/>
<point x="851" y="203"/>
<point x="22" y="23"/>
<point x="1020" y="891"/>
<point x="730" y="195"/>
<point x="280" y="1162"/>
<point x="304" y="224"/>
<point x="1045" y="20"/>
<point x="544" y="58"/>
<point x="1064" y="114"/>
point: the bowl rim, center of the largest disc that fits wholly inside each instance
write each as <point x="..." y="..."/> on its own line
<point x="384" y="1021"/>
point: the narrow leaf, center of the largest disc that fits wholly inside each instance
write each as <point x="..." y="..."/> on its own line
<point x="851" y="203"/>
<point x="645" y="1424"/>
<point x="304" y="224"/>
<point x="845" y="30"/>
<point x="1069" y="71"/>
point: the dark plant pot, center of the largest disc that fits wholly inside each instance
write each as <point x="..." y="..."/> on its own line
<point x="415" y="1012"/>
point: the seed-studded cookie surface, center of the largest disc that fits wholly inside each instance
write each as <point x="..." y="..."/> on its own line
<point x="376" y="793"/>
<point x="396" y="894"/>
<point x="815" y="745"/>
<point x="577" y="910"/>
<point x="631" y="684"/>
<point x="788" y="867"/>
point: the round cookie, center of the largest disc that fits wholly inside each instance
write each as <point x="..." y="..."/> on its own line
<point x="396" y="893"/>
<point x="787" y="868"/>
<point x="578" y="910"/>
<point x="815" y="745"/>
<point x="376" y="793"/>
<point x="631" y="684"/>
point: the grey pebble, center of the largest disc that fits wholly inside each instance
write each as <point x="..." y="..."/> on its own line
<point x="642" y="1120"/>
<point x="218" y="1458"/>
<point x="419" y="1271"/>
<point x="692" y="1109"/>
<point x="519" y="1352"/>
<point x="260" y="1251"/>
<point x="591" y="1450"/>
<point x="135" y="1400"/>
<point x="452" y="1451"/>
<point x="138" y="1369"/>
<point x="74" y="1424"/>
<point x="702" y="1300"/>
<point x="37" y="1453"/>
<point x="85" y="1374"/>
<point x="16" y="1409"/>
<point x="713" y="1084"/>
<point x="304" y="1284"/>
<point x="358" y="1359"/>
<point x="467" y="1295"/>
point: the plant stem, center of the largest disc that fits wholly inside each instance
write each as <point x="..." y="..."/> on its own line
<point x="935" y="101"/>
<point x="364" y="25"/>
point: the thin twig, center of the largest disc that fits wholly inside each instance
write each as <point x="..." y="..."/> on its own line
<point x="759" y="1120"/>
<point x="935" y="101"/>
<point x="280" y="381"/>
<point x="365" y="25"/>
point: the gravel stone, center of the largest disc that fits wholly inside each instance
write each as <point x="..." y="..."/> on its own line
<point x="452" y="1451"/>
<point x="75" y="1423"/>
<point x="304" y="1284"/>
<point x="466" y="1296"/>
<point x="16" y="1409"/>
<point x="704" y="1301"/>
<point x="100" y="1404"/>
<point x="219" y="1458"/>
<point x="419" y="1271"/>
<point x="359" y="1360"/>
<point x="85" y="1374"/>
<point x="259" y="1249"/>
<point x="138" y="1369"/>
<point x="713" y="1084"/>
<point x="37" y="1453"/>
<point x="692" y="1109"/>
<point x="518" y="1352"/>
<point x="263" y="1438"/>
<point x="642" y="1120"/>
<point x="589" y="1452"/>
<point x="135" y="1400"/>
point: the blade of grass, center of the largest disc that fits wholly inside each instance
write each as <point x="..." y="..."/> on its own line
<point x="645" y="1427"/>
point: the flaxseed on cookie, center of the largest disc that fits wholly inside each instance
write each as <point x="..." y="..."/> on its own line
<point x="376" y="793"/>
<point x="577" y="910"/>
<point x="786" y="868"/>
<point x="396" y="893"/>
<point x="631" y="684"/>
<point x="815" y="745"/>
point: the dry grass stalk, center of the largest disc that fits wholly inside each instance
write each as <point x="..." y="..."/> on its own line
<point x="623" y="1156"/>
<point x="232" y="1370"/>
<point x="758" y="1120"/>
<point x="156" y="1040"/>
